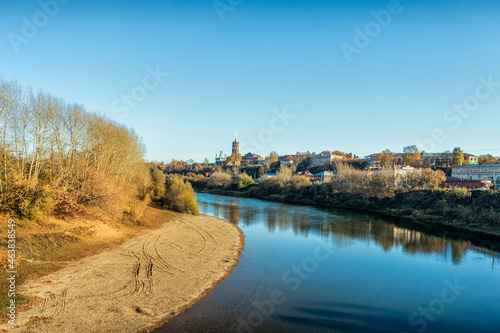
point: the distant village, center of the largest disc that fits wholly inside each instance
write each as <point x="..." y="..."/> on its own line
<point x="462" y="169"/>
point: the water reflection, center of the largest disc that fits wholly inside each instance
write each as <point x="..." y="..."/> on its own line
<point x="379" y="273"/>
<point x="343" y="226"/>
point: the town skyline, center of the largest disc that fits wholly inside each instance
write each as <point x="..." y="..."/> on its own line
<point x="221" y="156"/>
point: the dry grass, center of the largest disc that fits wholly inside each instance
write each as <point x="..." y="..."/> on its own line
<point x="45" y="246"/>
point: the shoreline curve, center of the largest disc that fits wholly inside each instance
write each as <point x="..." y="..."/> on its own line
<point x="138" y="285"/>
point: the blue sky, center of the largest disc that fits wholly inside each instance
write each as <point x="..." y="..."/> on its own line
<point x="234" y="70"/>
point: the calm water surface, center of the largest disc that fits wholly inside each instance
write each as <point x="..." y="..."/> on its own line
<point x="307" y="269"/>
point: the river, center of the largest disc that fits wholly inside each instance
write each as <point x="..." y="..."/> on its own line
<point x="309" y="269"/>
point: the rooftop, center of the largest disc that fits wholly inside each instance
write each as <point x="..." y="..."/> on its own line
<point x="477" y="166"/>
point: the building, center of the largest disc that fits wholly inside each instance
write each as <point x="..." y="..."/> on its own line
<point x="323" y="158"/>
<point x="287" y="160"/>
<point x="445" y="159"/>
<point x="234" y="159"/>
<point x="236" y="146"/>
<point x="251" y="159"/>
<point x="470" y="184"/>
<point x="477" y="172"/>
<point x="306" y="174"/>
<point x="398" y="157"/>
<point x="371" y="160"/>
<point x="323" y="176"/>
<point x="472" y="159"/>
<point x="220" y="160"/>
<point x="267" y="176"/>
<point x="401" y="170"/>
<point x="437" y="159"/>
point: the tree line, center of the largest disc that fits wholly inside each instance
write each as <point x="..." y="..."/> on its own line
<point x="412" y="156"/>
<point x="58" y="158"/>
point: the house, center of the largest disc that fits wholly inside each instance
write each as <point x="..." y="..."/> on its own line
<point x="251" y="159"/>
<point x="323" y="158"/>
<point x="371" y="160"/>
<point x="470" y="184"/>
<point x="401" y="170"/>
<point x="306" y="174"/>
<point x="472" y="159"/>
<point x="269" y="175"/>
<point x="398" y="157"/>
<point x="287" y="160"/>
<point x="477" y="172"/>
<point x="266" y="176"/>
<point x="437" y="159"/>
<point x="323" y="176"/>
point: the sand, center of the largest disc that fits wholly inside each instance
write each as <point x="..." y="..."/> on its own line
<point x="137" y="285"/>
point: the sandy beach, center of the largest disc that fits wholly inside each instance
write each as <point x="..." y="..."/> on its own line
<point x="137" y="285"/>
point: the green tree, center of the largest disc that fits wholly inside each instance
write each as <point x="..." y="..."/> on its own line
<point x="244" y="180"/>
<point x="458" y="156"/>
<point x="180" y="196"/>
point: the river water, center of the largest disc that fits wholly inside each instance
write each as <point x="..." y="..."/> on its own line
<point x="309" y="269"/>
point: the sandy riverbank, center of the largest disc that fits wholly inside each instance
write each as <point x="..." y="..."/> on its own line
<point x="139" y="284"/>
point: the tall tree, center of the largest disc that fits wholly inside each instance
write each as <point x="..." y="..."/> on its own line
<point x="411" y="154"/>
<point x="385" y="159"/>
<point x="458" y="156"/>
<point x="273" y="157"/>
<point x="488" y="159"/>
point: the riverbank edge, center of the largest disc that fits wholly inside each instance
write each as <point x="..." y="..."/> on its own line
<point x="233" y="261"/>
<point x="448" y="224"/>
<point x="207" y="290"/>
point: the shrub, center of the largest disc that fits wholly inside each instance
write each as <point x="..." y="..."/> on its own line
<point x="244" y="180"/>
<point x="220" y="179"/>
<point x="180" y="197"/>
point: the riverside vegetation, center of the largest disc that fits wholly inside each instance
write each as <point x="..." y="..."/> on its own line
<point x="416" y="195"/>
<point x="75" y="182"/>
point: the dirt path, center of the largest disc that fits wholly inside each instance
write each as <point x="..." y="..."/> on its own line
<point x="143" y="282"/>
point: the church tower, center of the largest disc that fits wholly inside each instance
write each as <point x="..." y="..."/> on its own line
<point x="236" y="146"/>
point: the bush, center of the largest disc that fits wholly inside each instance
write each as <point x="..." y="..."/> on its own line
<point x="244" y="180"/>
<point x="220" y="179"/>
<point x="180" y="197"/>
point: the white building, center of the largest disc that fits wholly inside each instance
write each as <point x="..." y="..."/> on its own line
<point x="323" y="159"/>
<point x="477" y="172"/>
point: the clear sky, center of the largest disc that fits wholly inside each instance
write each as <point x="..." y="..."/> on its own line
<point x="288" y="76"/>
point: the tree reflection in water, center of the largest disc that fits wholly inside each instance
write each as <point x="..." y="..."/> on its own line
<point x="343" y="226"/>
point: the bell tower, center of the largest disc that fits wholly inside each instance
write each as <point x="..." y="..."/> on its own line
<point x="236" y="146"/>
